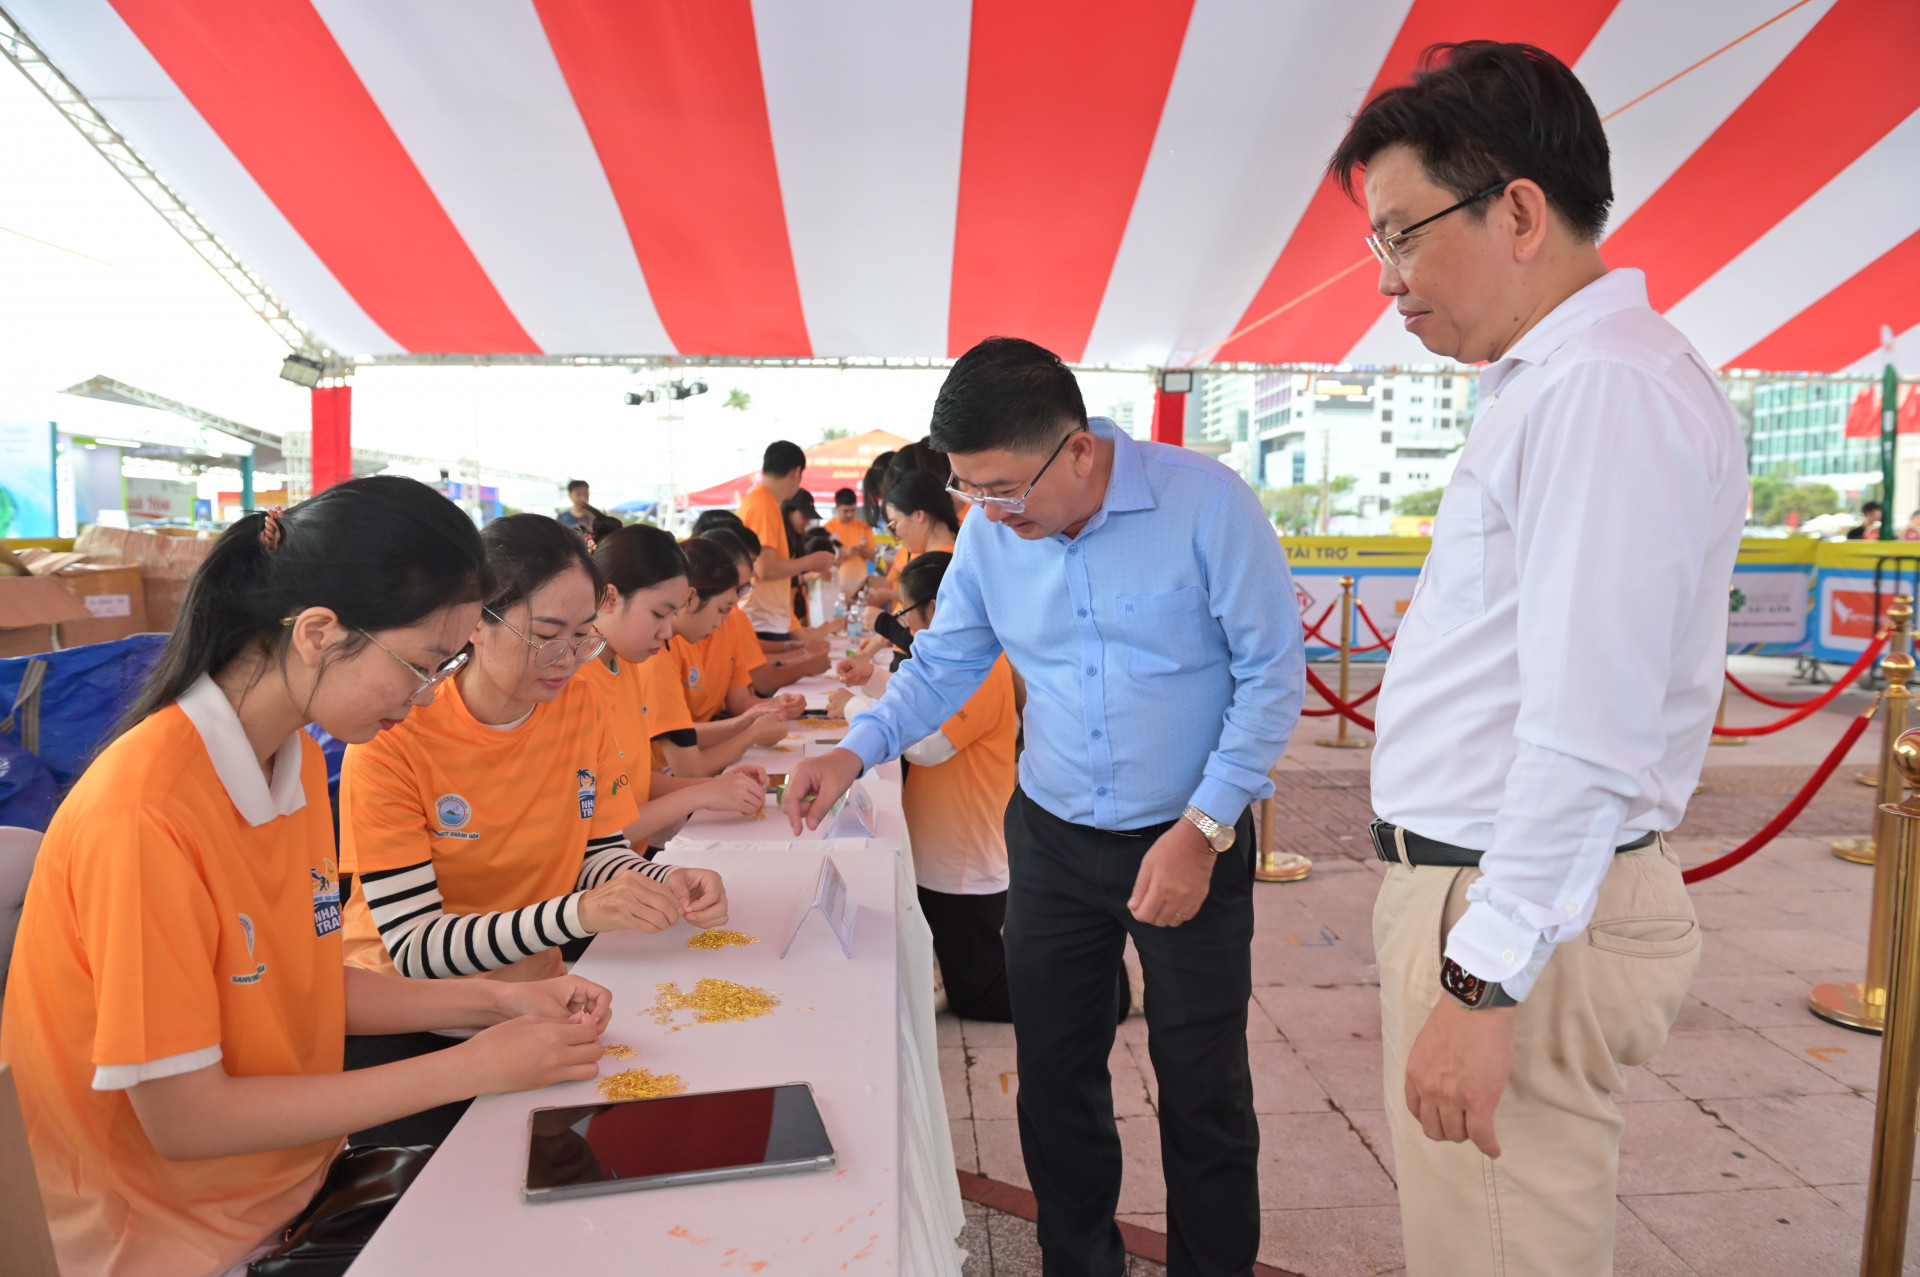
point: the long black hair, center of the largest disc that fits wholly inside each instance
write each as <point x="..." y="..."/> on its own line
<point x="710" y="567"/>
<point x="638" y="557"/>
<point x="920" y="580"/>
<point x="730" y="540"/>
<point x="918" y="490"/>
<point x="381" y="553"/>
<point x="525" y="551"/>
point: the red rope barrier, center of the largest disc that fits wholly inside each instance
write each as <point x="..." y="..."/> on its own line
<point x="1807" y="708"/>
<point x="1795" y="805"/>
<point x="1339" y="706"/>
<point x="1381" y="640"/>
<point x="1313" y="631"/>
<point x="1750" y="694"/>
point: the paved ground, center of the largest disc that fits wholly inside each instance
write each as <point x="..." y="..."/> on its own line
<point x="1746" y="1145"/>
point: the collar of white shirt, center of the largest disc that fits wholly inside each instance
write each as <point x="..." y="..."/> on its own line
<point x="213" y="716"/>
<point x="1127" y="486"/>
<point x="1617" y="290"/>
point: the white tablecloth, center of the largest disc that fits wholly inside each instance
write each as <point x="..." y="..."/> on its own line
<point x="860" y="1031"/>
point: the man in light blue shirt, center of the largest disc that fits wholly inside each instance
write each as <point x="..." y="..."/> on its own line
<point x="1141" y="592"/>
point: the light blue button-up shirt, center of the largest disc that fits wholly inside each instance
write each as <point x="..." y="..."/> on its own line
<point x="1161" y="646"/>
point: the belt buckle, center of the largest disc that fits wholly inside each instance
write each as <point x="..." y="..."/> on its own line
<point x="1383" y="842"/>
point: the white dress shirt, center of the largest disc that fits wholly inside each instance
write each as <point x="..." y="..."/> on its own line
<point x="1553" y="685"/>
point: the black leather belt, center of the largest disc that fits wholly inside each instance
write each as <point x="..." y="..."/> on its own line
<point x="1388" y="840"/>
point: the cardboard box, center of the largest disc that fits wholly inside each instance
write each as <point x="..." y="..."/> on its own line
<point x="115" y="598"/>
<point x="30" y="609"/>
<point x="166" y="557"/>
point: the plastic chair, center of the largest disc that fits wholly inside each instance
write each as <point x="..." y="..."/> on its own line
<point x="18" y="847"/>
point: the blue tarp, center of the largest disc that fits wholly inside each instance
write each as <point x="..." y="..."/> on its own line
<point x="86" y="691"/>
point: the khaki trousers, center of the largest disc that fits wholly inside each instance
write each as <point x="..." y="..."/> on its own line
<point x="1605" y="1001"/>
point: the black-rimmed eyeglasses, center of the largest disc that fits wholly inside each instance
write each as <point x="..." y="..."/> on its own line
<point x="1011" y="505"/>
<point x="1387" y="247"/>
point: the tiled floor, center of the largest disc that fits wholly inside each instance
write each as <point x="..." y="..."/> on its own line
<point x="1747" y="1136"/>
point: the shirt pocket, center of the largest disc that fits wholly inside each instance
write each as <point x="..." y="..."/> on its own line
<point x="1162" y="632"/>
<point x="1453" y="587"/>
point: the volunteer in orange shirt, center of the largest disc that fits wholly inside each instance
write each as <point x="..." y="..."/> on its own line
<point x="177" y="1004"/>
<point x="847" y="527"/>
<point x="489" y="829"/>
<point x="637" y="614"/>
<point x="645" y="591"/>
<point x="781" y="662"/>
<point x="959" y="781"/>
<point x="771" y="609"/>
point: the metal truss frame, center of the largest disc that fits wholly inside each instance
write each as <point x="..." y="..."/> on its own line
<point x="33" y="63"/>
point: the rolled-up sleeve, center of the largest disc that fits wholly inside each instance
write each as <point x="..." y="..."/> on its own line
<point x="1250" y="593"/>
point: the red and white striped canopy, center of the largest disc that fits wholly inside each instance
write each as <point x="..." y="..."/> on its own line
<point x="1124" y="181"/>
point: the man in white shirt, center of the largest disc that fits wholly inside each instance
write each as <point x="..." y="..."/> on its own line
<point x="1548" y="705"/>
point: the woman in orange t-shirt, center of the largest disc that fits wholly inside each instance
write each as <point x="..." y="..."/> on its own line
<point x="958" y="783"/>
<point x="646" y="600"/>
<point x="773" y="665"/>
<point x="177" y="1005"/>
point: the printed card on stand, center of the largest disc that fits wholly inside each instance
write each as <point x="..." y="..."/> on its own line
<point x="833" y="902"/>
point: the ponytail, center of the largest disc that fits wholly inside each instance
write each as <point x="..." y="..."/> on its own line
<point x="920" y="580"/>
<point x="917" y="490"/>
<point x="638" y="557"/>
<point x="381" y="553"/>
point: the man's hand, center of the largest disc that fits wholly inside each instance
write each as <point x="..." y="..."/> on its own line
<point x="1457" y="1071"/>
<point x="1174" y="877"/>
<point x="816" y="784"/>
<point x="556" y="999"/>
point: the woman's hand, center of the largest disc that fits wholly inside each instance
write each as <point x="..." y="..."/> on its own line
<point x="557" y="999"/>
<point x="837" y="703"/>
<point x="530" y="1052"/>
<point x="789" y="705"/>
<point x="736" y="792"/>
<point x="629" y="902"/>
<point x="754" y="770"/>
<point x="769" y="731"/>
<point x="704" y="898"/>
<point x="854" y="672"/>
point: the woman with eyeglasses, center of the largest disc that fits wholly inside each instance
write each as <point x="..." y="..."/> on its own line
<point x="177" y="1006"/>
<point x="657" y="594"/>
<point x="490" y="828"/>
<point x="921" y="514"/>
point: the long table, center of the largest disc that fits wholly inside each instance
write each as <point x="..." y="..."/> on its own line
<point x="860" y="1030"/>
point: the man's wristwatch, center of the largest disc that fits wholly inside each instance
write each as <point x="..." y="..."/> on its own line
<point x="1469" y="990"/>
<point x="1218" y="836"/>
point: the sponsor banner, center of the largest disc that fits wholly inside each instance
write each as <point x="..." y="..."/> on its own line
<point x="1385" y="571"/>
<point x="1854" y="582"/>
<point x="1771" y="599"/>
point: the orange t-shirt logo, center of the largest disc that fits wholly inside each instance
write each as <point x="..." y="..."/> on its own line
<point x="585" y="778"/>
<point x="260" y="969"/>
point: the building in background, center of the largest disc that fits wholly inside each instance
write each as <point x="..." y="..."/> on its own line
<point x="1391" y="434"/>
<point x="1799" y="432"/>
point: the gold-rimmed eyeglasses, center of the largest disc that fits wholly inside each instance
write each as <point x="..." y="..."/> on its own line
<point x="554" y="650"/>
<point x="429" y="679"/>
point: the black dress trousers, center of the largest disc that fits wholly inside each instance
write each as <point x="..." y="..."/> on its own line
<point x="1066" y="928"/>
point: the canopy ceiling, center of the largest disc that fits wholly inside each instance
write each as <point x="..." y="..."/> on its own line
<point x="1125" y="181"/>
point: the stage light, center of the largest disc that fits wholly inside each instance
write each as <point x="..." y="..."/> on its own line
<point x="640" y="396"/>
<point x="302" y="370"/>
<point x="698" y="388"/>
<point x="1175" y="381"/>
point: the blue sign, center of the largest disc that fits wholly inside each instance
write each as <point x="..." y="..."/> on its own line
<point x="27" y="489"/>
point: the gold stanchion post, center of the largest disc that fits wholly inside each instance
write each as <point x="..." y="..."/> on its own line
<point x="1340" y="738"/>
<point x="1267" y="868"/>
<point x="1863" y="1005"/>
<point x="1890" y="1182"/>
<point x="1899" y="643"/>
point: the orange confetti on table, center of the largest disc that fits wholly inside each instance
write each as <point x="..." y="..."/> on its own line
<point x="620" y="1051"/>
<point x="712" y="1001"/>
